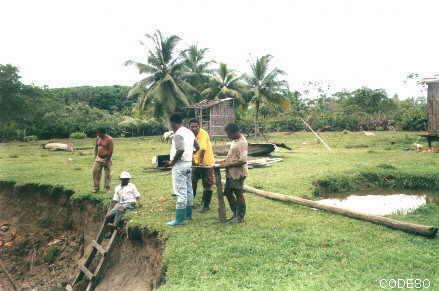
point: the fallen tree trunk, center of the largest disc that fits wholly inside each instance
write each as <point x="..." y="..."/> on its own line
<point x="428" y="231"/>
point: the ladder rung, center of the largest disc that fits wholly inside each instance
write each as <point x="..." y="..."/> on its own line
<point x="98" y="247"/>
<point x="86" y="271"/>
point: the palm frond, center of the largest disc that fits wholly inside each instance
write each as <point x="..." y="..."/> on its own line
<point x="165" y="88"/>
<point x="143" y="68"/>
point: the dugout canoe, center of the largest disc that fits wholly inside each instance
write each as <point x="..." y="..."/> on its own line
<point x="254" y="149"/>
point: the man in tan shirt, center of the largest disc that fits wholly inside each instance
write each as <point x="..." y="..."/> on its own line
<point x="236" y="172"/>
<point x="102" y="160"/>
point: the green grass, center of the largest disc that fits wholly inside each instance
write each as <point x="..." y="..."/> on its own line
<point x="280" y="246"/>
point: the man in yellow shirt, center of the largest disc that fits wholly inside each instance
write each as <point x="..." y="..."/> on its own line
<point x="203" y="162"/>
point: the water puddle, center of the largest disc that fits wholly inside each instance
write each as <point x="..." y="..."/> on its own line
<point x="380" y="203"/>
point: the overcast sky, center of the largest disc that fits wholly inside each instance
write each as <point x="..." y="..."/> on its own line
<point x="345" y="43"/>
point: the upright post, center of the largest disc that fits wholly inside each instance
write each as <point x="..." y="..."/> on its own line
<point x="220" y="194"/>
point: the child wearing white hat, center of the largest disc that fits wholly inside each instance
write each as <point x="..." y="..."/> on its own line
<point x="125" y="198"/>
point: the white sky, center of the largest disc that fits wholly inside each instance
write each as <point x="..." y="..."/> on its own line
<point x="347" y="44"/>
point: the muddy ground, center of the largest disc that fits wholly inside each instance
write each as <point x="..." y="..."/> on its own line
<point x="43" y="234"/>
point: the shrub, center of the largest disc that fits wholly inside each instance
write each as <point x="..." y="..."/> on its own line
<point x="153" y="127"/>
<point x="51" y="254"/>
<point x="29" y="138"/>
<point x="78" y="135"/>
<point x="289" y="124"/>
<point x="269" y="125"/>
<point x="22" y="248"/>
<point x="76" y="117"/>
<point x="412" y="115"/>
<point x="139" y="127"/>
<point x="334" y="184"/>
<point x="385" y="176"/>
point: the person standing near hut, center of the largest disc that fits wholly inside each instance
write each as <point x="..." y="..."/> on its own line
<point x="203" y="162"/>
<point x="182" y="150"/>
<point x="236" y="172"/>
<point x="102" y="160"/>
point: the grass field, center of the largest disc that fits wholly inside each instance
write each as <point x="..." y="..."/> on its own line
<point x="280" y="246"/>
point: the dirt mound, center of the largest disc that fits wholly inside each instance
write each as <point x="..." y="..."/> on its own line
<point x="43" y="233"/>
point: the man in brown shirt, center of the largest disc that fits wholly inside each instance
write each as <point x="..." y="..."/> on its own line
<point x="102" y="160"/>
<point x="236" y="172"/>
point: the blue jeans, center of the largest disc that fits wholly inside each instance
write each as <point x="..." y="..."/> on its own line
<point x="182" y="183"/>
<point x="117" y="213"/>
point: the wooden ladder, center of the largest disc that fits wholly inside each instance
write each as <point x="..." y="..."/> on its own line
<point x="96" y="248"/>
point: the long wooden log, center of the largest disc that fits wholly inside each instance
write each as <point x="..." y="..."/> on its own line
<point x="428" y="231"/>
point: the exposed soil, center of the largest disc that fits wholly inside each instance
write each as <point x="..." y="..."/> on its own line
<point x="135" y="263"/>
<point x="43" y="233"/>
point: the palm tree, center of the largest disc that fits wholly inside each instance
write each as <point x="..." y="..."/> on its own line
<point x="266" y="88"/>
<point x="196" y="67"/>
<point x="224" y="82"/>
<point x="163" y="88"/>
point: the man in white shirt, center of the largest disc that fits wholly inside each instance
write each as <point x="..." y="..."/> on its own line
<point x="182" y="150"/>
<point x="125" y="198"/>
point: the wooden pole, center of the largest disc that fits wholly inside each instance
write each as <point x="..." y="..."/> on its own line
<point x="428" y="231"/>
<point x="315" y="133"/>
<point x="8" y="275"/>
<point x="220" y="194"/>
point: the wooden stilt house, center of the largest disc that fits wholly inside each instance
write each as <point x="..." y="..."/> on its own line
<point x="433" y="106"/>
<point x="433" y="109"/>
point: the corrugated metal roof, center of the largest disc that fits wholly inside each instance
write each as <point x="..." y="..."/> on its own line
<point x="209" y="103"/>
<point x="430" y="80"/>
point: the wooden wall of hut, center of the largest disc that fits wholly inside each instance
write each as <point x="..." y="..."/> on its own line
<point x="220" y="115"/>
<point x="433" y="108"/>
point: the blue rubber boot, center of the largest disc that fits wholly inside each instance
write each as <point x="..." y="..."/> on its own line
<point x="180" y="216"/>
<point x="188" y="212"/>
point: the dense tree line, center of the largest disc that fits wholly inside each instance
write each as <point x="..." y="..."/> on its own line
<point x="361" y="109"/>
<point x="110" y="98"/>
<point x="27" y="110"/>
<point x="173" y="78"/>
